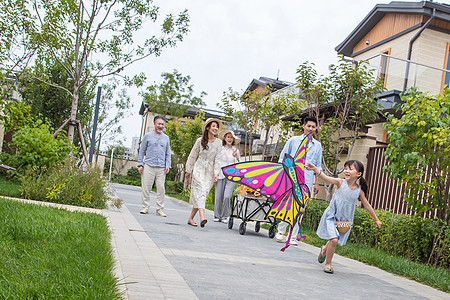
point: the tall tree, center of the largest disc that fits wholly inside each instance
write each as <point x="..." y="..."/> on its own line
<point x="245" y="110"/>
<point x="279" y="104"/>
<point x="343" y="102"/>
<point x="90" y="40"/>
<point x="54" y="104"/>
<point x="183" y="137"/>
<point x="174" y="96"/>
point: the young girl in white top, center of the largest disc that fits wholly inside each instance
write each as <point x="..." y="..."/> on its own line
<point x="224" y="188"/>
<point x="341" y="207"/>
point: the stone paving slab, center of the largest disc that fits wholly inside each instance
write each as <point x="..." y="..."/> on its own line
<point x="218" y="263"/>
<point x="146" y="272"/>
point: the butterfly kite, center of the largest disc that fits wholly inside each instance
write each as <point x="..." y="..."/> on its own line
<point x="283" y="183"/>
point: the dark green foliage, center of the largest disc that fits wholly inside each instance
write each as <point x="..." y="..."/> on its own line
<point x="183" y="137"/>
<point x="38" y="148"/>
<point x="54" y="104"/>
<point x="9" y="160"/>
<point x="132" y="178"/>
<point x="174" y="96"/>
<point x="412" y="237"/>
<point x="133" y="174"/>
<point x="174" y="187"/>
<point x="419" y="151"/>
<point x="48" y="253"/>
<point x="65" y="184"/>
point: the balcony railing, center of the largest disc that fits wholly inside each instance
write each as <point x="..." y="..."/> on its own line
<point x="401" y="74"/>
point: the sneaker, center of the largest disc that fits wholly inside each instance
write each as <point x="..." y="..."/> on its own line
<point x="224" y="220"/>
<point x="216" y="220"/>
<point x="144" y="211"/>
<point x="293" y="243"/>
<point x="279" y="237"/>
<point x="160" y="213"/>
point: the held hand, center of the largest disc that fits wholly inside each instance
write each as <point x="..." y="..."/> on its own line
<point x="310" y="166"/>
<point x="235" y="153"/>
<point x="141" y="170"/>
<point x="378" y="223"/>
<point x="167" y="170"/>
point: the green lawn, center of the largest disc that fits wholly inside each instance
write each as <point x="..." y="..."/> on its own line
<point x="438" y="278"/>
<point x="49" y="253"/>
<point x="9" y="187"/>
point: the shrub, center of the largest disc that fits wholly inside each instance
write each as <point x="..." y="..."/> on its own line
<point x="9" y="160"/>
<point x="133" y="174"/>
<point x="65" y="184"/>
<point x="174" y="187"/>
<point x="38" y="148"/>
<point x="211" y="196"/>
<point x="125" y="180"/>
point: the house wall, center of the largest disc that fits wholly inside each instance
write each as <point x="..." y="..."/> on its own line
<point x="100" y="162"/>
<point x="390" y="25"/>
<point x="431" y="50"/>
<point x="396" y="69"/>
<point x="121" y="166"/>
<point x="428" y="49"/>
<point x="148" y="122"/>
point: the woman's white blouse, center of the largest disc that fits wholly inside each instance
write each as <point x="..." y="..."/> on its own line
<point x="227" y="158"/>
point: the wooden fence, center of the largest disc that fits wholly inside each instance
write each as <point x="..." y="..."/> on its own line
<point x="386" y="193"/>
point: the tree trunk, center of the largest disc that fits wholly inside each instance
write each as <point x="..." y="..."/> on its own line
<point x="328" y="191"/>
<point x="265" y="141"/>
<point x="73" y="111"/>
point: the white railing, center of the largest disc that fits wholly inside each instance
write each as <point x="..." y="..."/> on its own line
<point x="401" y="74"/>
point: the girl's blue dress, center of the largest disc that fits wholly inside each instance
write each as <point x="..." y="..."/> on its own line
<point x="341" y="208"/>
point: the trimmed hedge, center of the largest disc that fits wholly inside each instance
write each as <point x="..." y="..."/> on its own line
<point x="412" y="237"/>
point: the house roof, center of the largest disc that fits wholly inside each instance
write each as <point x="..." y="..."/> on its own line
<point x="192" y="111"/>
<point x="380" y="10"/>
<point x="265" y="81"/>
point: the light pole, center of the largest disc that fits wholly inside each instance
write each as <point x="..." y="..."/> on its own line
<point x="110" y="164"/>
<point x="94" y="127"/>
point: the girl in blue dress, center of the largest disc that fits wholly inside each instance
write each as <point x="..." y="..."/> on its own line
<point x="341" y="207"/>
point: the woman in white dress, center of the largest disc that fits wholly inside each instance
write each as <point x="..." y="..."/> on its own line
<point x="204" y="165"/>
<point x="224" y="188"/>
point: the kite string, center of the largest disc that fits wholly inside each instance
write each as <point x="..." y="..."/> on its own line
<point x="287" y="240"/>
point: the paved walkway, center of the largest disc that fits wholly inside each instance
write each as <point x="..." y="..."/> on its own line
<point x="164" y="258"/>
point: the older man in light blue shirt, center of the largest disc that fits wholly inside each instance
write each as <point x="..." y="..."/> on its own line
<point x="314" y="156"/>
<point x="155" y="147"/>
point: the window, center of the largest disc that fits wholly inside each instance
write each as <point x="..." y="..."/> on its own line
<point x="446" y="75"/>
<point x="384" y="62"/>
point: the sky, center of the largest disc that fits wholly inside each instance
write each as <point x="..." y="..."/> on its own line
<point x="231" y="42"/>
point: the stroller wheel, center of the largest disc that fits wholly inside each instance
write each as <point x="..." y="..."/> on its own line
<point x="230" y="223"/>
<point x="257" y="226"/>
<point x="242" y="228"/>
<point x="272" y="231"/>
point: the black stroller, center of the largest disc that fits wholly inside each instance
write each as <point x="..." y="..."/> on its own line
<point x="251" y="209"/>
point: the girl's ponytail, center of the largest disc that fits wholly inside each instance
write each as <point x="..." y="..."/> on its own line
<point x="363" y="184"/>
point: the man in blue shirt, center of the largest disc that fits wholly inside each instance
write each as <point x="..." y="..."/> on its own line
<point x="155" y="147"/>
<point x="314" y="156"/>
